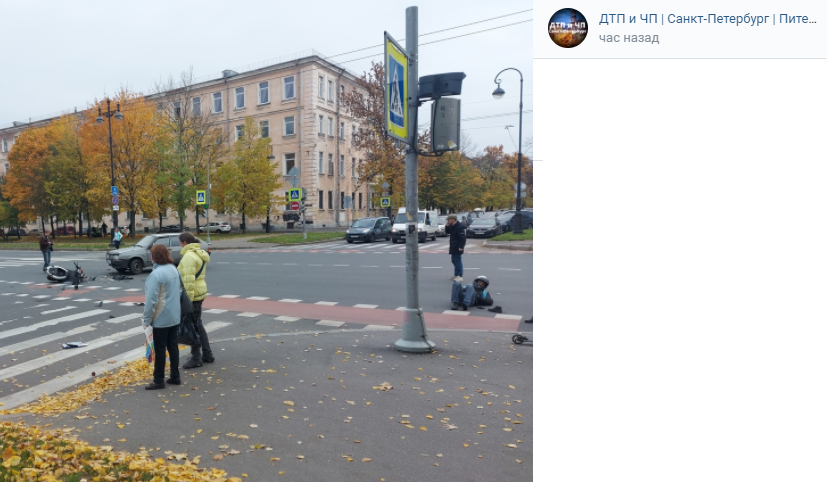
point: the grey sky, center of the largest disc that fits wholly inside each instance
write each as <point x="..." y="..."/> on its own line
<point x="59" y="55"/>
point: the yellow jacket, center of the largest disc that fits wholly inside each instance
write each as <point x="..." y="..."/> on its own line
<point x="192" y="258"/>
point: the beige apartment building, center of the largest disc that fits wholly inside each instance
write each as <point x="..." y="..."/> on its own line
<point x="297" y="105"/>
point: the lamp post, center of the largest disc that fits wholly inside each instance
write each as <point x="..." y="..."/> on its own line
<point x="498" y="94"/>
<point x="99" y="120"/>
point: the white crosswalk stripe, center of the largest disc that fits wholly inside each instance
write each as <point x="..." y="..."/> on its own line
<point x="36" y="326"/>
<point x="24" y="345"/>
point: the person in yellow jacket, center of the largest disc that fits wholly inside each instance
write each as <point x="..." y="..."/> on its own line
<point x="193" y="269"/>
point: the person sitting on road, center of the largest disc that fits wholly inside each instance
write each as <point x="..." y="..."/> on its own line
<point x="473" y="294"/>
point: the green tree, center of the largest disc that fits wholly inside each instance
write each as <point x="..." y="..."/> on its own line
<point x="248" y="178"/>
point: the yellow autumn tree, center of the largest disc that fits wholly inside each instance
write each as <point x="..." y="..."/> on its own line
<point x="25" y="186"/>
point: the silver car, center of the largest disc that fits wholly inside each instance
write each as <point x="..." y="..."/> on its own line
<point x="137" y="257"/>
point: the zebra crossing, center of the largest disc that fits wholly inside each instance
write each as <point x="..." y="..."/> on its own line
<point x="438" y="246"/>
<point x="8" y="262"/>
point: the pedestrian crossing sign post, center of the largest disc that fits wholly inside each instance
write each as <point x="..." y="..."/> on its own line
<point x="201" y="197"/>
<point x="295" y="194"/>
<point x="386" y="202"/>
<point x="396" y="90"/>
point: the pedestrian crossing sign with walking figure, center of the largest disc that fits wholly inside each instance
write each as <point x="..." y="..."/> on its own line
<point x="200" y="197"/>
<point x="396" y="90"/>
<point x="386" y="202"/>
<point x="295" y="194"/>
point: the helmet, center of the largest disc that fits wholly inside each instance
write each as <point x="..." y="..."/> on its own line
<point x="482" y="279"/>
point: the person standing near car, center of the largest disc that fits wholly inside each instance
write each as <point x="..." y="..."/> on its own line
<point x="162" y="311"/>
<point x="46" y="249"/>
<point x="117" y="239"/>
<point x="456" y="244"/>
<point x="193" y="269"/>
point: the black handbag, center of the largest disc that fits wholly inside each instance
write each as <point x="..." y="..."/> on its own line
<point x="186" y="303"/>
<point x="187" y="332"/>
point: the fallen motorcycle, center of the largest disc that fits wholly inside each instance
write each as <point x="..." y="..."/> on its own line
<point x="63" y="275"/>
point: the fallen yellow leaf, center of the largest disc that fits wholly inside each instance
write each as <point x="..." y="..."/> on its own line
<point x="288" y="402"/>
<point x="365" y="459"/>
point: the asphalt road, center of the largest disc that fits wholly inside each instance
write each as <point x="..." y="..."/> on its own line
<point x="36" y="316"/>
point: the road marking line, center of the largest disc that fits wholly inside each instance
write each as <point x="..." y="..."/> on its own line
<point x="248" y="314"/>
<point x="27" y="282"/>
<point x="240" y="262"/>
<point x="121" y="319"/>
<point x="370" y="307"/>
<point x="368" y="266"/>
<point x="326" y="303"/>
<point x="397" y="266"/>
<point x="508" y="317"/>
<point x="60" y="298"/>
<point x="229" y="296"/>
<point x="127" y="304"/>
<point x="84" y="374"/>
<point x="341" y="265"/>
<point x="111" y="288"/>
<point x="133" y="289"/>
<point x="23" y="294"/>
<point x="378" y="327"/>
<point x="46" y="360"/>
<point x="510" y="269"/>
<point x="27" y="329"/>
<point x="401" y="308"/>
<point x="431" y="267"/>
<point x="258" y="298"/>
<point x="55" y="311"/>
<point x="23" y="345"/>
<point x="457" y="313"/>
<point x="289" y="300"/>
<point x="288" y="319"/>
<point x="215" y="311"/>
<point x="223" y="262"/>
<point x="330" y="323"/>
<point x="82" y="299"/>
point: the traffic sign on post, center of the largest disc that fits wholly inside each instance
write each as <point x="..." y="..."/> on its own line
<point x="114" y="200"/>
<point x="396" y="91"/>
<point x="201" y="197"/>
<point x="114" y="190"/>
<point x="386" y="202"/>
<point x="294" y="206"/>
<point x="295" y="194"/>
<point x="115" y="207"/>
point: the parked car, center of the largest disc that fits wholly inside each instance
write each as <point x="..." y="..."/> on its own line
<point x="368" y="229"/>
<point x="170" y="228"/>
<point x="425" y="228"/>
<point x="483" y="227"/>
<point x="507" y="220"/>
<point x="440" y="226"/>
<point x="34" y="232"/>
<point x="16" y="232"/>
<point x="216" y="227"/>
<point x="137" y="257"/>
<point x="64" y="230"/>
<point x="92" y="232"/>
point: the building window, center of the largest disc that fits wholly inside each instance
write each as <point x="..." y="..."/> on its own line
<point x="342" y="166"/>
<point x="239" y="97"/>
<point x="353" y="200"/>
<point x="289" y="126"/>
<point x="321" y="125"/>
<point x="239" y="132"/>
<point x="329" y="199"/>
<point x="289" y="162"/>
<point x="264" y="128"/>
<point x="176" y="108"/>
<point x="341" y="130"/>
<point x="353" y="135"/>
<point x="289" y="87"/>
<point x="216" y="103"/>
<point x="330" y="126"/>
<point x="330" y="90"/>
<point x="264" y="93"/>
<point x="5" y="145"/>
<point x="353" y="168"/>
<point x="321" y="87"/>
<point x="196" y="106"/>
<point x="321" y="200"/>
<point x="321" y="163"/>
<point x="341" y="200"/>
<point x="360" y="200"/>
<point x="330" y="164"/>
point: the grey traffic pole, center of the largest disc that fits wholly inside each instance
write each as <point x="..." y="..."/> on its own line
<point x="414" y="338"/>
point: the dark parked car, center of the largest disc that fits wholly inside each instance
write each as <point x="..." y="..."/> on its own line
<point x="507" y="219"/>
<point x="368" y="229"/>
<point x="482" y="227"/>
<point x="64" y="230"/>
<point x="170" y="228"/>
<point x="16" y="232"/>
<point x="93" y="232"/>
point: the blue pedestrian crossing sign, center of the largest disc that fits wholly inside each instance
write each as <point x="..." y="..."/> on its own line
<point x="396" y="90"/>
<point x="385" y="202"/>
<point x="295" y="194"/>
<point x="201" y="197"/>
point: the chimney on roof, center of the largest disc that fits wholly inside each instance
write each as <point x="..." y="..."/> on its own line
<point x="229" y="73"/>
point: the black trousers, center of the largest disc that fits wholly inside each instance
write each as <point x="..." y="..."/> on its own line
<point x="205" y="342"/>
<point x="166" y="340"/>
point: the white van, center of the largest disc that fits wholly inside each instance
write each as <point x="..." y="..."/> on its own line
<point x="426" y="225"/>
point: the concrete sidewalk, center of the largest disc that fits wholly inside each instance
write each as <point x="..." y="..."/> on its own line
<point x="510" y="245"/>
<point x="313" y="407"/>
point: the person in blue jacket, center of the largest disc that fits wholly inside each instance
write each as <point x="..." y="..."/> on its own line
<point x="162" y="311"/>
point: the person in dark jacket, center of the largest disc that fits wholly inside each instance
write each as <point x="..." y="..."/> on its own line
<point x="46" y="249"/>
<point x="456" y="244"/>
<point x="472" y="295"/>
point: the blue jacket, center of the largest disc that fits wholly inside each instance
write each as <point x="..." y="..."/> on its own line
<point x="163" y="297"/>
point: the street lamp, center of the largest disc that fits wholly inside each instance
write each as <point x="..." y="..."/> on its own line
<point x="118" y="116"/>
<point x="498" y="94"/>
